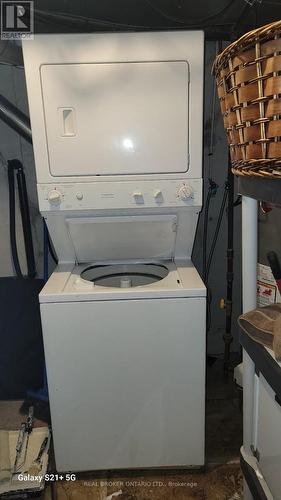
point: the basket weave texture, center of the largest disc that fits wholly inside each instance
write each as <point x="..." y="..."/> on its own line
<point x="248" y="76"/>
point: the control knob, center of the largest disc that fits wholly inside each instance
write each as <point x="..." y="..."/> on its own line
<point x="185" y="192"/>
<point x="138" y="197"/>
<point x="54" y="197"/>
<point x="158" y="196"/>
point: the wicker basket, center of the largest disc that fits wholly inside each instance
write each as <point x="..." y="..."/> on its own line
<point x="248" y="76"/>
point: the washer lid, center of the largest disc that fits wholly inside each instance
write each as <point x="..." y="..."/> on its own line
<point x="122" y="238"/>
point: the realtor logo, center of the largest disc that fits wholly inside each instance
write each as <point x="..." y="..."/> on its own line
<point x="17" y="20"/>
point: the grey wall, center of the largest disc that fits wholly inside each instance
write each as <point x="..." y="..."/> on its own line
<point x="12" y="86"/>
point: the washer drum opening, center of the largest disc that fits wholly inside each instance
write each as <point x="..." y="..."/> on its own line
<point x="124" y="275"/>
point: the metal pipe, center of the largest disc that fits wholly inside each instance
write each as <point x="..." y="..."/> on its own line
<point x="11" y="53"/>
<point x="15" y="119"/>
<point x="249" y="252"/>
<point x="249" y="292"/>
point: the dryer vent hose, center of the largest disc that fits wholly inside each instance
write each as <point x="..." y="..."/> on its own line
<point x="16" y="166"/>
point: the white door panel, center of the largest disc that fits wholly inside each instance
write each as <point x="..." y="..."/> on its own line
<point x="269" y="437"/>
<point x="116" y="118"/>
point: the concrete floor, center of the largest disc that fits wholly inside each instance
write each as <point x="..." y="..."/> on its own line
<point x="223" y="416"/>
<point x="221" y="483"/>
<point x="222" y="479"/>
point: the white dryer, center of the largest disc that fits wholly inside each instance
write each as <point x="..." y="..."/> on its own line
<point x="117" y="133"/>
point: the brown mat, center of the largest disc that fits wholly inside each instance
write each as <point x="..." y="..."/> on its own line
<point x="264" y="326"/>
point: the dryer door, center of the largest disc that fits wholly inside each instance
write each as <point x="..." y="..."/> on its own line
<point x="116" y="118"/>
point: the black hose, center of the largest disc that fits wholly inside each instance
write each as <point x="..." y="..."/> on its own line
<point x="26" y="224"/>
<point x="12" y="222"/>
<point x="217" y="230"/>
<point x="16" y="166"/>
<point x="51" y="250"/>
<point x="205" y="232"/>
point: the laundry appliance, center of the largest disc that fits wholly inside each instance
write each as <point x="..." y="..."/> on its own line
<point x="117" y="134"/>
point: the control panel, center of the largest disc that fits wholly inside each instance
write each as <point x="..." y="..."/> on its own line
<point x="120" y="195"/>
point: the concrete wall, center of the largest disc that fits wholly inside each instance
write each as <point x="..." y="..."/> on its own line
<point x="12" y="86"/>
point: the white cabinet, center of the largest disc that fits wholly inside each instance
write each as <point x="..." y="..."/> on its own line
<point x="268" y="436"/>
<point x="126" y="382"/>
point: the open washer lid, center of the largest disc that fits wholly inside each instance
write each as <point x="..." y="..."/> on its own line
<point x="123" y="237"/>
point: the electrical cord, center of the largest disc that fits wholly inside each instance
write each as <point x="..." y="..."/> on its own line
<point x="241" y="15"/>
<point x="212" y="189"/>
<point x="238" y="201"/>
<point x="217" y="230"/>
<point x="212" y="185"/>
<point x="51" y="250"/>
<point x="205" y="230"/>
<point x="213" y="245"/>
<point x="209" y="313"/>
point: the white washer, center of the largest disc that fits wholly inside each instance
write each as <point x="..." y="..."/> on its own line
<point x="126" y="369"/>
<point x="117" y="134"/>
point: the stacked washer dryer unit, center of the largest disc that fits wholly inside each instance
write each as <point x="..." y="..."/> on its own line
<point x="117" y="134"/>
